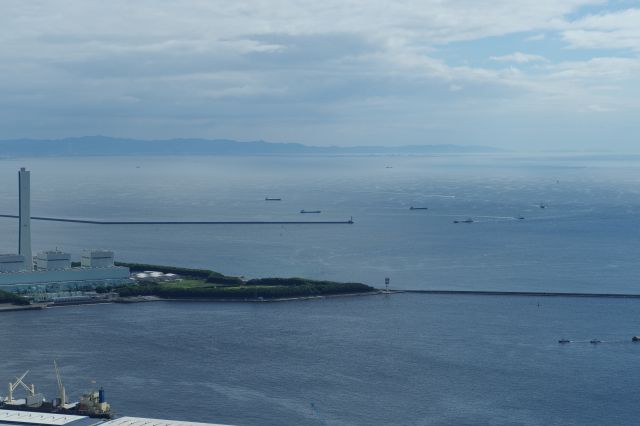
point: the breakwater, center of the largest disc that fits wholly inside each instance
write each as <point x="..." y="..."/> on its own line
<point x="526" y="293"/>
<point x="181" y="222"/>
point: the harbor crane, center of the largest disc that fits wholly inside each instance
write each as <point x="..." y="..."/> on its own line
<point x="62" y="394"/>
<point x="13" y="386"/>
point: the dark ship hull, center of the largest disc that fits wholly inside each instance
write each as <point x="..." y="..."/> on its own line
<point x="49" y="408"/>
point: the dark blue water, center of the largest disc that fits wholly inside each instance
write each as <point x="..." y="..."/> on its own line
<point x="376" y="360"/>
<point x="405" y="359"/>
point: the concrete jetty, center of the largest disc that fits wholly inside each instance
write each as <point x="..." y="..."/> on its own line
<point x="182" y="222"/>
<point x="525" y="293"/>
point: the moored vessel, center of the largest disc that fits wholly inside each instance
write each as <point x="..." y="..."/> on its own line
<point x="469" y="220"/>
<point x="91" y="404"/>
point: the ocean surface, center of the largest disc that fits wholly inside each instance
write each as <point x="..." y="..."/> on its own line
<point x="404" y="359"/>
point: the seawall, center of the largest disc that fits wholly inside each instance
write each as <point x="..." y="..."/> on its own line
<point x="525" y="293"/>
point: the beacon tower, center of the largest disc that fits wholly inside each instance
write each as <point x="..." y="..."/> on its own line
<point x="24" y="232"/>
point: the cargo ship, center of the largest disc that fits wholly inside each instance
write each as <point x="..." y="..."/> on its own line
<point x="90" y="410"/>
<point x="310" y="211"/>
<point x="464" y="221"/>
<point x="91" y="404"/>
<point x="272" y="199"/>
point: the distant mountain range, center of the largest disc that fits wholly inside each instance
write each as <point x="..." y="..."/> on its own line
<point x="107" y="146"/>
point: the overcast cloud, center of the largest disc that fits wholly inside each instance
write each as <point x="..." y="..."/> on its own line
<point x="526" y="74"/>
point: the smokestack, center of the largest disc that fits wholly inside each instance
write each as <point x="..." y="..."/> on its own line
<point x="24" y="232"/>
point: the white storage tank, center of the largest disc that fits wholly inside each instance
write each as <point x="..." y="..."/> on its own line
<point x="97" y="259"/>
<point x="53" y="260"/>
<point x="11" y="263"/>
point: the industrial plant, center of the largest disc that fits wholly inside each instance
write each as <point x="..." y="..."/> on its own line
<point x="52" y="270"/>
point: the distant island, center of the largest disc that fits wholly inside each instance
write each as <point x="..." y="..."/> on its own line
<point x="107" y="146"/>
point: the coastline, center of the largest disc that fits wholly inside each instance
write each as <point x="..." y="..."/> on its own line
<point x="147" y="299"/>
<point x="7" y="307"/>
<point x="143" y="299"/>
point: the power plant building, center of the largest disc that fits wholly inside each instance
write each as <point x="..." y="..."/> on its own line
<point x="63" y="279"/>
<point x="53" y="260"/>
<point x="97" y="259"/>
<point x="53" y="269"/>
<point x="11" y="263"/>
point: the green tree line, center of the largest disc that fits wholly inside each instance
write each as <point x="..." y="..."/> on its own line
<point x="244" y="292"/>
<point x="6" y="297"/>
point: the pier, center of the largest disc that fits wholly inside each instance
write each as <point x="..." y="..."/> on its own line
<point x="181" y="222"/>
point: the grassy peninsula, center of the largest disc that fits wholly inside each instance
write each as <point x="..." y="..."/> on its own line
<point x="206" y="284"/>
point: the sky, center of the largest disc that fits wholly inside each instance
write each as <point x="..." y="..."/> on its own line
<point x="523" y="75"/>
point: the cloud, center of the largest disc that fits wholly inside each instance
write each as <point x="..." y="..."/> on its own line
<point x="337" y="71"/>
<point x="613" y="30"/>
<point x="598" y="108"/>
<point x="598" y="69"/>
<point x="519" y="57"/>
<point x="537" y="37"/>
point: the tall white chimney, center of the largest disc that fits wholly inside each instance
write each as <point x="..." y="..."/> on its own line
<point x="24" y="232"/>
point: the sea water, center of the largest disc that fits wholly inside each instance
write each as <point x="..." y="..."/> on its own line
<point x="403" y="359"/>
<point x="374" y="360"/>
<point x="586" y="239"/>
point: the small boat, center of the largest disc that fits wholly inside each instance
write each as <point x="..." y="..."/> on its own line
<point x="542" y="206"/>
<point x="418" y="208"/>
<point x="272" y="199"/>
<point x="564" y="341"/>
<point x="310" y="211"/>
<point x="635" y="339"/>
<point x="464" y="221"/>
<point x="520" y="217"/>
<point x="595" y="341"/>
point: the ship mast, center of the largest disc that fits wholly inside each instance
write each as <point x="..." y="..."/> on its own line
<point x="61" y="391"/>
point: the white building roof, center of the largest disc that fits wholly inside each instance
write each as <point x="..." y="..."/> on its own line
<point x="138" y="421"/>
<point x="26" y="417"/>
<point x="97" y="253"/>
<point x="54" y="255"/>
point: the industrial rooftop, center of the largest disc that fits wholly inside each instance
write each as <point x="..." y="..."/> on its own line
<point x="138" y="421"/>
<point x="24" y="418"/>
<point x="31" y="418"/>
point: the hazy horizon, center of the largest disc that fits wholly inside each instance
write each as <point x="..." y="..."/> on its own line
<point x="528" y="75"/>
<point x="298" y="147"/>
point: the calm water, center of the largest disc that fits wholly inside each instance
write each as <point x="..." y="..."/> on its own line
<point x="405" y="359"/>
<point x="585" y="240"/>
<point x="400" y="360"/>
